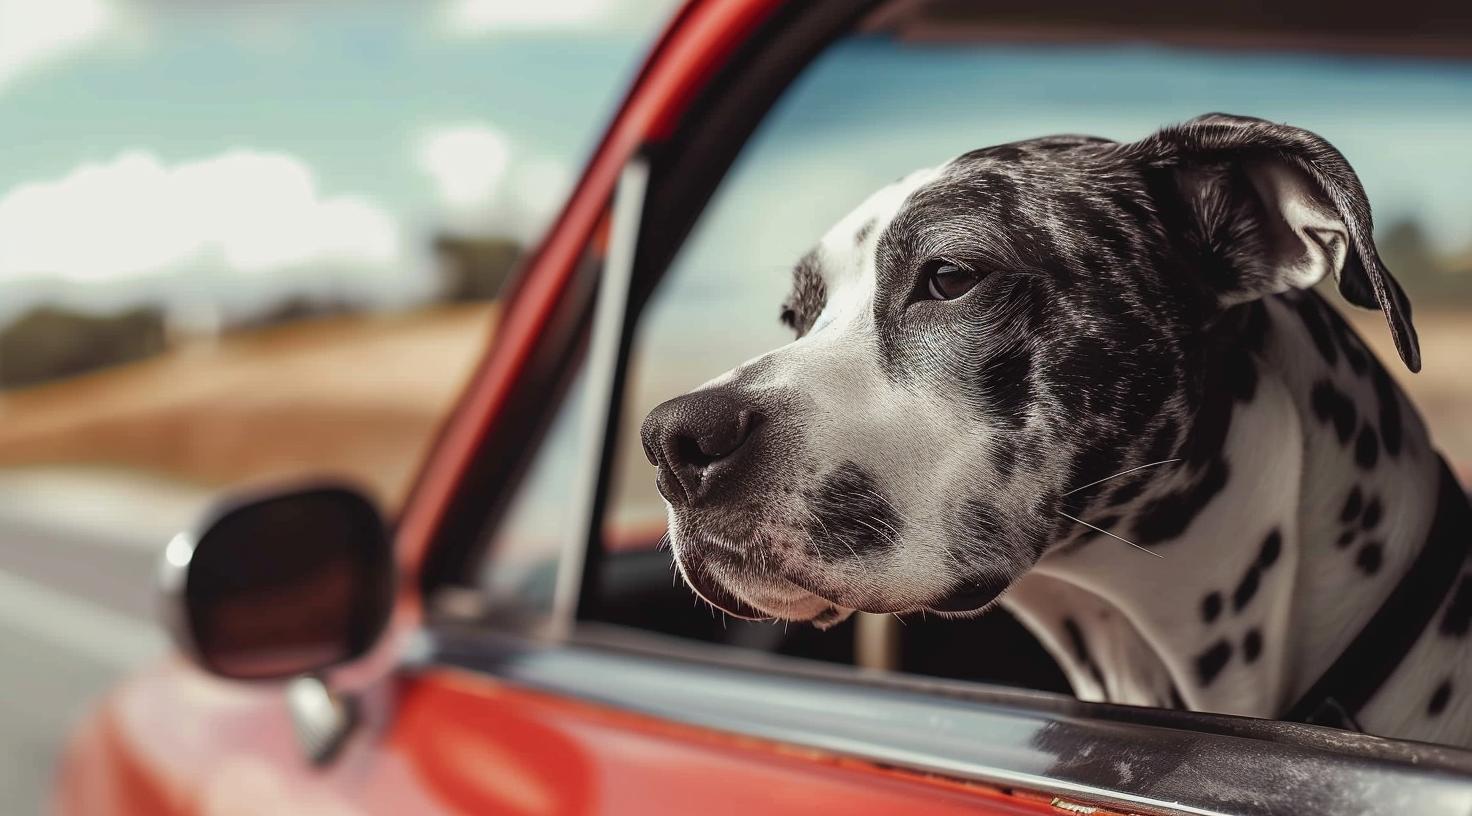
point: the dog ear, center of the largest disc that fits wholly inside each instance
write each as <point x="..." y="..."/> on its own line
<point x="1274" y="207"/>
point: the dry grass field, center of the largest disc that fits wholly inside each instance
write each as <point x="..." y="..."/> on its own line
<point x="362" y="397"/>
<point x="1442" y="391"/>
<point x="354" y="396"/>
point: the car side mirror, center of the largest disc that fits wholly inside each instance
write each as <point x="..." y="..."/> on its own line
<point x="280" y="586"/>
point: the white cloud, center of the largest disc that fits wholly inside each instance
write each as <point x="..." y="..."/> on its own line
<point x="487" y="185"/>
<point x="466" y="162"/>
<point x="479" y="17"/>
<point x="234" y="217"/>
<point x="33" y="32"/>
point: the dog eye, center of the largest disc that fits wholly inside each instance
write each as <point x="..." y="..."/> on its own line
<point x="789" y="317"/>
<point x="947" y="281"/>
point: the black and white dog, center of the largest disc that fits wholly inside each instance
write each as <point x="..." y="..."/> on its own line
<point x="1088" y="380"/>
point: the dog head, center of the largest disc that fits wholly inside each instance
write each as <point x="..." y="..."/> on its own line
<point x="978" y="340"/>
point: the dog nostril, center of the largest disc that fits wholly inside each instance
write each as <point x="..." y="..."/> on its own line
<point x="694" y="454"/>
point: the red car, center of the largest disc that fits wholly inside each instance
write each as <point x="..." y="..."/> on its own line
<point x="514" y="642"/>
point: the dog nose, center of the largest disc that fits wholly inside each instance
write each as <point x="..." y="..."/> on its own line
<point x="696" y="439"/>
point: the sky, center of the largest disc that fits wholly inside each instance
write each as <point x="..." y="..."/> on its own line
<point x="235" y="153"/>
<point x="242" y="152"/>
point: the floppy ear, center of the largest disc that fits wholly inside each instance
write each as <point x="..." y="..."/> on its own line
<point x="1273" y="207"/>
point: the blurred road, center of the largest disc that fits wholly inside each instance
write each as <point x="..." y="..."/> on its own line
<point x="77" y="612"/>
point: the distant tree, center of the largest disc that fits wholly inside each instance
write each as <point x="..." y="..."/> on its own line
<point x="475" y="268"/>
<point x="1407" y="251"/>
<point x="49" y="343"/>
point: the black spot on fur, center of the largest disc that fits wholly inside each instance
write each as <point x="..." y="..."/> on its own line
<point x="1081" y="650"/>
<point x="1331" y="405"/>
<point x="1255" y="325"/>
<point x="1366" y="448"/>
<point x="1318" y="329"/>
<point x="808" y="296"/>
<point x="1372" y="515"/>
<point x="1004" y="458"/>
<point x="1102" y="522"/>
<point x="1390" y="419"/>
<point x="1345" y="539"/>
<point x="1369" y="558"/>
<point x="852" y="517"/>
<point x="1211" y="606"/>
<point x="1272" y="547"/>
<point x="1246" y="588"/>
<point x="1211" y="662"/>
<point x="1004" y="379"/>
<point x="1439" y="698"/>
<point x="865" y="231"/>
<point x="1240" y="374"/>
<point x="1252" y="645"/>
<point x="1170" y="515"/>
<point x="1458" y="617"/>
<point x="1353" y="505"/>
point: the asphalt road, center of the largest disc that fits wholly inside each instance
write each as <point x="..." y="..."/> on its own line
<point x="76" y="615"/>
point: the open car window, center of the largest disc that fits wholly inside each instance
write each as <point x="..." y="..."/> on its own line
<point x="876" y="106"/>
<point x="873" y="106"/>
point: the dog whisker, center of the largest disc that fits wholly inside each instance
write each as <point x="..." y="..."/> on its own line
<point x="1119" y="474"/>
<point x="1111" y="535"/>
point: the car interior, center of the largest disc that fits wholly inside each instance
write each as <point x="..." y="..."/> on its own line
<point x="741" y="122"/>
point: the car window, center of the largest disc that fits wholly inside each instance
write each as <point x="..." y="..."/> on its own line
<point x="873" y="108"/>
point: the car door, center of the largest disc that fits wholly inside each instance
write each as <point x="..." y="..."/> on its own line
<point x="549" y="664"/>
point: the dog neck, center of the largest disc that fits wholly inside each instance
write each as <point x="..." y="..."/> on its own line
<point x="1289" y="539"/>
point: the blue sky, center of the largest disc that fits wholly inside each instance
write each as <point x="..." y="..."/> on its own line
<point x="235" y="153"/>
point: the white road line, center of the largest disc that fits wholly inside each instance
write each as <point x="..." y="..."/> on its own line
<point x="76" y="624"/>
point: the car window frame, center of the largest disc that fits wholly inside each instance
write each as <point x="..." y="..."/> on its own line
<point x="685" y="170"/>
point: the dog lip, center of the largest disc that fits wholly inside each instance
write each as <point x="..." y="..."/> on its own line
<point x="970" y="597"/>
<point x="710" y="590"/>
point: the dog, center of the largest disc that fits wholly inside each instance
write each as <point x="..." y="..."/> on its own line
<point x="1090" y="381"/>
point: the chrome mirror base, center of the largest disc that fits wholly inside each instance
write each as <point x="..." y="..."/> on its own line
<point x="323" y="719"/>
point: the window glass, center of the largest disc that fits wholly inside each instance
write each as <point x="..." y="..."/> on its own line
<point x="872" y="109"/>
<point x="519" y="573"/>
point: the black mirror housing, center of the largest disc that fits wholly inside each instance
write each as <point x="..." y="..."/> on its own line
<point x="281" y="585"/>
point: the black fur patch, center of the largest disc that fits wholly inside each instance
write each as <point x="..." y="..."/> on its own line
<point x="1345" y="539"/>
<point x="1211" y="606"/>
<point x="853" y="516"/>
<point x="1458" y="617"/>
<point x="1272" y="547"/>
<point x="1366" y="448"/>
<point x="1252" y="645"/>
<point x="1439" y="698"/>
<point x="1369" y="558"/>
<point x="1246" y="588"/>
<point x="1210" y="663"/>
<point x="1313" y="319"/>
<point x="1241" y="374"/>
<point x="1081" y="650"/>
<point x="1353" y="505"/>
<point x="1332" y="405"/>
<point x="865" y="231"/>
<point x="1169" y="516"/>
<point x="808" y="297"/>
<point x="1371" y="518"/>
<point x="1003" y="378"/>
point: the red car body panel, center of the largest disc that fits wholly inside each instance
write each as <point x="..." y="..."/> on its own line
<point x="175" y="741"/>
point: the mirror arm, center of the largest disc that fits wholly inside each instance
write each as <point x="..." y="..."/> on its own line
<point x="322" y="718"/>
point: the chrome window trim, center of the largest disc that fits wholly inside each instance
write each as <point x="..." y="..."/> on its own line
<point x="1135" y="760"/>
<point x="610" y="312"/>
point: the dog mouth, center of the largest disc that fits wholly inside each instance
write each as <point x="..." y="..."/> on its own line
<point x="771" y="599"/>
